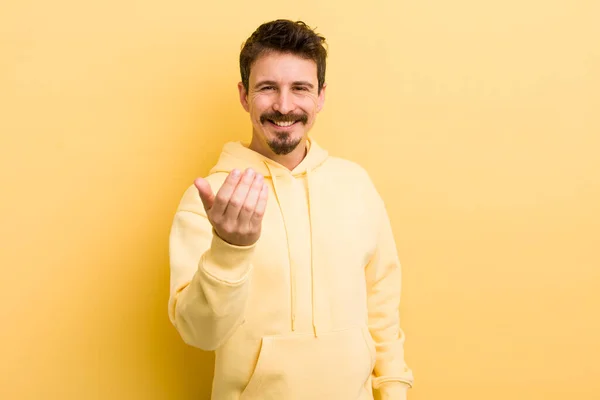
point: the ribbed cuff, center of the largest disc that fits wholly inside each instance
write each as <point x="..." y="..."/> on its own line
<point x="227" y="263"/>
<point x="393" y="391"/>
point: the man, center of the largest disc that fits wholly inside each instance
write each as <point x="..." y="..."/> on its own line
<point x="282" y="259"/>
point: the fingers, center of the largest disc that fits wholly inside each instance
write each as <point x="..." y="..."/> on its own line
<point x="238" y="198"/>
<point x="224" y="194"/>
<point x="206" y="193"/>
<point x="237" y="209"/>
<point x="251" y="200"/>
<point x="261" y="205"/>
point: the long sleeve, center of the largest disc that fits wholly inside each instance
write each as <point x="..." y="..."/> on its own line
<point x="209" y="278"/>
<point x="392" y="377"/>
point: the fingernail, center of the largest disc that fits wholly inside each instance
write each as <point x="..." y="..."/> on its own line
<point x="249" y="172"/>
<point x="235" y="173"/>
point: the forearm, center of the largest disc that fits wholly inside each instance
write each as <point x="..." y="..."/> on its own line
<point x="209" y="309"/>
<point x="391" y="374"/>
<point x="209" y="280"/>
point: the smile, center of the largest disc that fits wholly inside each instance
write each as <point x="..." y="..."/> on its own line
<point x="281" y="124"/>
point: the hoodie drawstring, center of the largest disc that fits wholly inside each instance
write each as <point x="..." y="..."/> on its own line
<point x="292" y="264"/>
<point x="312" y="255"/>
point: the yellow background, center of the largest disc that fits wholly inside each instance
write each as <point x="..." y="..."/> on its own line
<point x="479" y="122"/>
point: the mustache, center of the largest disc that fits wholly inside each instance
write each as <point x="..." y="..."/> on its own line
<point x="276" y="116"/>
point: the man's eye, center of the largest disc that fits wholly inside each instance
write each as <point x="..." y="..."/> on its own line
<point x="302" y="88"/>
<point x="264" y="88"/>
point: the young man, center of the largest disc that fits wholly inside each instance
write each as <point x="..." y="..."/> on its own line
<point x="282" y="259"/>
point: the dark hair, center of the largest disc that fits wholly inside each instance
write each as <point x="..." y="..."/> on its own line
<point x="284" y="36"/>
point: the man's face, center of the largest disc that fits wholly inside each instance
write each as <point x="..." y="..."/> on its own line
<point x="283" y="99"/>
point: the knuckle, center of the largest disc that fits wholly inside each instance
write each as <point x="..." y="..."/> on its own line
<point x="235" y="202"/>
<point x="259" y="212"/>
<point x="255" y="189"/>
<point x="221" y="198"/>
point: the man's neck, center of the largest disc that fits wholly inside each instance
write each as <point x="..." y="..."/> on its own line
<point x="290" y="161"/>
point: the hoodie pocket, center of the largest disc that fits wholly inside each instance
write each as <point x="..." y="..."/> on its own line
<point x="334" y="366"/>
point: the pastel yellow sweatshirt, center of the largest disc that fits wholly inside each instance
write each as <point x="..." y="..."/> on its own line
<point x="311" y="310"/>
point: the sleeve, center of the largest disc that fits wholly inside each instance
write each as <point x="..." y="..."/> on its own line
<point x="209" y="278"/>
<point x="392" y="376"/>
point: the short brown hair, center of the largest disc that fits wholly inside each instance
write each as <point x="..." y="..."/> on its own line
<point x="284" y="36"/>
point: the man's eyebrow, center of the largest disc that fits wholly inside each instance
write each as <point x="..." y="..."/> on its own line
<point x="296" y="83"/>
<point x="304" y="83"/>
<point x="266" y="82"/>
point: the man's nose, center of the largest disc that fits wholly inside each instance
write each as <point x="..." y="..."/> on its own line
<point x="283" y="103"/>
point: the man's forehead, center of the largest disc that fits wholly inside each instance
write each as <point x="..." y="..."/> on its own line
<point x="283" y="67"/>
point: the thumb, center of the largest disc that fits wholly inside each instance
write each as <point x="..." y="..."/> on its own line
<point x="206" y="194"/>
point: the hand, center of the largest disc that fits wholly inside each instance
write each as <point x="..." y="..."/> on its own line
<point x="237" y="210"/>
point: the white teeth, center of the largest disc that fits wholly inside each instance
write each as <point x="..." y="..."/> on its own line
<point x="284" y="124"/>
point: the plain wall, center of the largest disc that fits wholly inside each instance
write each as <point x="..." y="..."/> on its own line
<point x="478" y="121"/>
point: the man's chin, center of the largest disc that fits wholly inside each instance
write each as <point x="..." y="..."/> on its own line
<point x="283" y="147"/>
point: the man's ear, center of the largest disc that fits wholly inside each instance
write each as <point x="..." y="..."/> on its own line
<point x="243" y="96"/>
<point x="321" y="98"/>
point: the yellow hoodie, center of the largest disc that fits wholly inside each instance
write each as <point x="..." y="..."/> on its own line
<point x="311" y="310"/>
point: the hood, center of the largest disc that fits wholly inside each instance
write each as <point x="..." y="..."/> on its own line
<point x="237" y="155"/>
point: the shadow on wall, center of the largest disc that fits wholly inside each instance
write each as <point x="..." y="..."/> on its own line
<point x="194" y="120"/>
<point x="212" y="118"/>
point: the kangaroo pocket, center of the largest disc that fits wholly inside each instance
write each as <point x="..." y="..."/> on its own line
<point x="333" y="366"/>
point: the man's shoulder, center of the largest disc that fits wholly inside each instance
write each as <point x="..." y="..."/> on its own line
<point x="347" y="168"/>
<point x="353" y="174"/>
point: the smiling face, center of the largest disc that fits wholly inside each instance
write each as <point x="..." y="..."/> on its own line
<point x="283" y="100"/>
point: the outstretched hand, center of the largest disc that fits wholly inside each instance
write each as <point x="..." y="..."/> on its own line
<point x="237" y="210"/>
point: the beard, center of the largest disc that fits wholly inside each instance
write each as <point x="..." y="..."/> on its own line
<point x="284" y="143"/>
